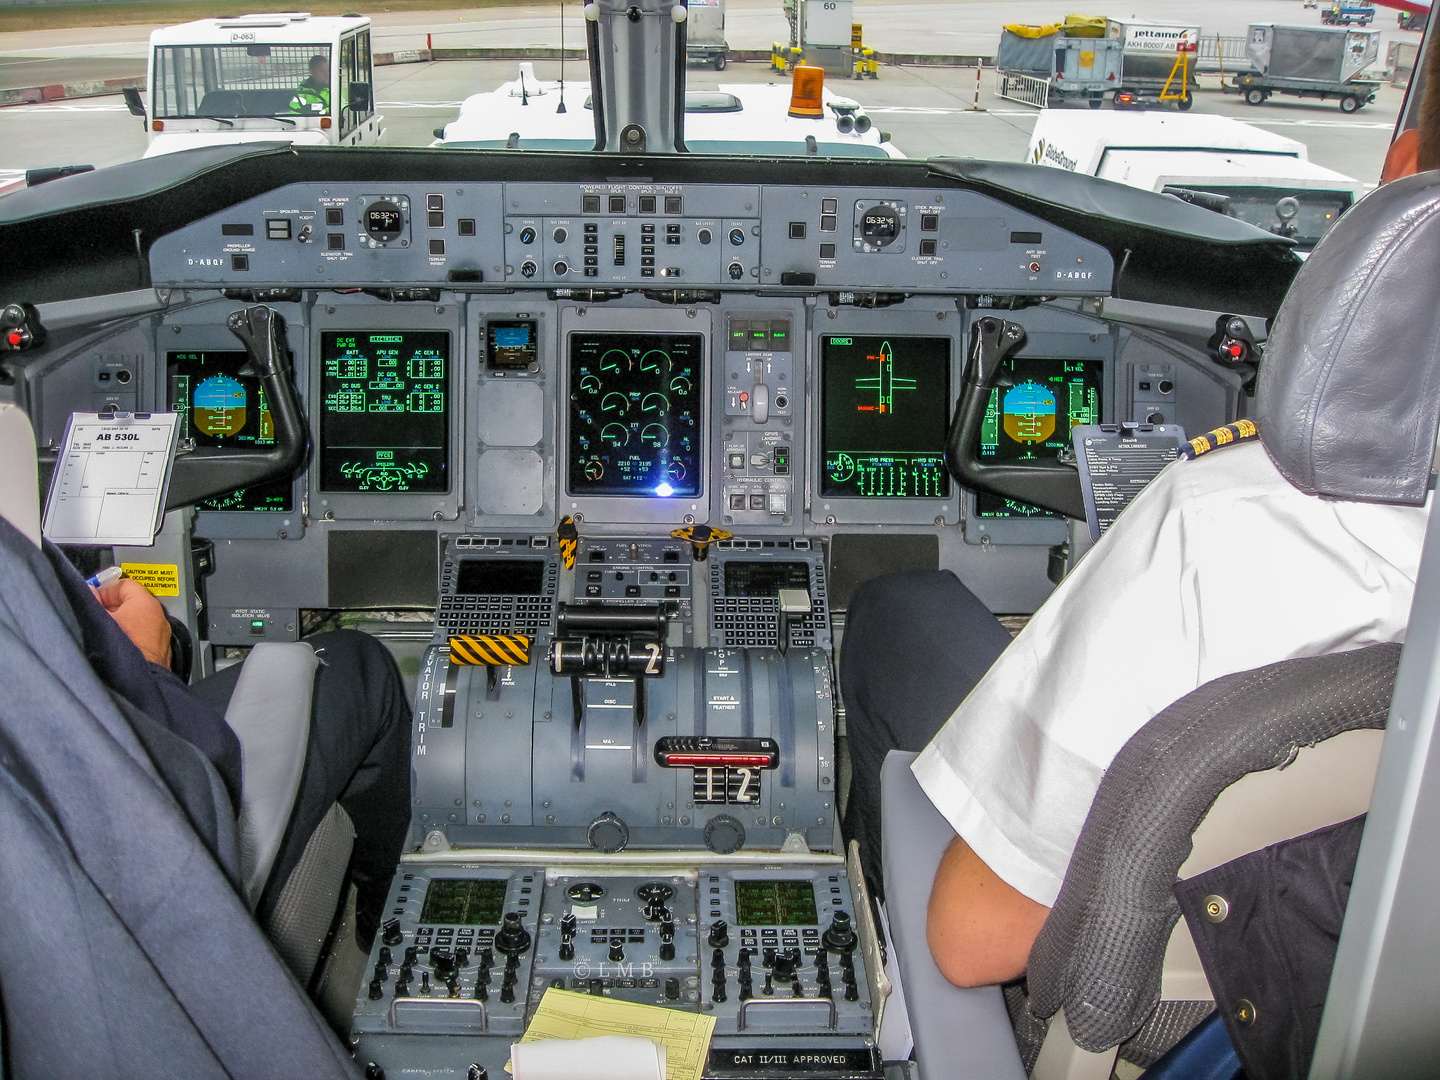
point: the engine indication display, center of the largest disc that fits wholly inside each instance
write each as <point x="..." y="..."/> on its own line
<point x="635" y="414"/>
<point x="219" y="406"/>
<point x="385" y="411"/>
<point x="886" y="409"/>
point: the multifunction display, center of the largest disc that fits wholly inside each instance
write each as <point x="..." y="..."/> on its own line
<point x="765" y="578"/>
<point x="1030" y="419"/>
<point x="219" y="406"/>
<point x="501" y="577"/>
<point x="635" y="414"/>
<point x="887" y="406"/>
<point x="775" y="903"/>
<point x="464" y="902"/>
<point x="385" y="411"/>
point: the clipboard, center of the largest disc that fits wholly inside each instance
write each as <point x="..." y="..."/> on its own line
<point x="110" y="482"/>
<point x="1116" y="462"/>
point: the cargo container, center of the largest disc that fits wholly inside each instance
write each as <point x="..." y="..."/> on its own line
<point x="1310" y="61"/>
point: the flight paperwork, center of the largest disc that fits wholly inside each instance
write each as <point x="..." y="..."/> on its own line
<point x="109" y="485"/>
<point x="1116" y="462"/>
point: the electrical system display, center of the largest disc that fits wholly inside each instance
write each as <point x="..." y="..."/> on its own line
<point x="501" y="577"/>
<point x="385" y="411"/>
<point x="886" y="410"/>
<point x="464" y="902"/>
<point x="219" y="406"/>
<point x="764" y="578"/>
<point x="512" y="345"/>
<point x="775" y="903"/>
<point x="1031" y="417"/>
<point x="635" y="414"/>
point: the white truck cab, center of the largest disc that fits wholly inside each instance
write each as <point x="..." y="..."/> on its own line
<point x="259" y="78"/>
<point x="1259" y="176"/>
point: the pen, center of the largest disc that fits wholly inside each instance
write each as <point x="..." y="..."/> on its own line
<point x="108" y="576"/>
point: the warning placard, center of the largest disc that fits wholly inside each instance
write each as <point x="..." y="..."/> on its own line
<point x="162" y="579"/>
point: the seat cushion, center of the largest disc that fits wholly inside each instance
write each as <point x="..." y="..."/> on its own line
<point x="958" y="1031"/>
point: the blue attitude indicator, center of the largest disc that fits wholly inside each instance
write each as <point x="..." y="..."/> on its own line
<point x="635" y="414"/>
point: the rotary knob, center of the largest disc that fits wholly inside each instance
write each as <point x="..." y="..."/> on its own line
<point x="512" y="939"/>
<point x="608" y="834"/>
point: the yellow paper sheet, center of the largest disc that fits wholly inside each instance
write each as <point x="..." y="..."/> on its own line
<point x="563" y="1014"/>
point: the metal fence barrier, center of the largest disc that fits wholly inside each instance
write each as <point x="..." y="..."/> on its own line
<point x="1219" y="52"/>
<point x="1026" y="89"/>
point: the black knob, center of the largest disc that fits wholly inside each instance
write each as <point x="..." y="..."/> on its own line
<point x="703" y="236"/>
<point x="744" y="958"/>
<point x="377" y="989"/>
<point x="769" y="988"/>
<point x="719" y="934"/>
<point x="385" y="954"/>
<point x="483" y="975"/>
<point x="412" y="954"/>
<point x="667" y="931"/>
<point x="557" y="983"/>
<point x="390" y="932"/>
<point x="672" y="989"/>
<point x="443" y="961"/>
<point x="482" y="992"/>
<point x="784" y="968"/>
<point x="487" y="957"/>
<point x="561" y="268"/>
<point x="406" y="973"/>
<point x="382" y="972"/>
<point x="667" y="950"/>
<point x="560" y="235"/>
<point x="608" y="834"/>
<point x="767" y="956"/>
<point x="425" y="982"/>
<point x="402" y="988"/>
<point x="507" y="995"/>
<point x="736" y="271"/>
<point x="617" y="951"/>
<point x="512" y="939"/>
<point x="655" y="911"/>
<point x="452" y="984"/>
<point x="597" y="987"/>
<point x="737" y="237"/>
<point x="528" y="268"/>
<point x="567" y="951"/>
<point x="462" y="957"/>
<point x="512" y="965"/>
<point x="718" y="993"/>
<point x="717" y="959"/>
<point x="852" y="992"/>
<point x="527" y="235"/>
<point x="477" y="1072"/>
<point x="747" y="989"/>
<point x="796" y="990"/>
<point x="841" y="935"/>
<point x="374" y="1072"/>
<point x="567" y="925"/>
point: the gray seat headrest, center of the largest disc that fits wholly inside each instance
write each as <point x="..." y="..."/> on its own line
<point x="1349" y="395"/>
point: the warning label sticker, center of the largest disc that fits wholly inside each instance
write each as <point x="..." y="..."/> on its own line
<point x="162" y="579"/>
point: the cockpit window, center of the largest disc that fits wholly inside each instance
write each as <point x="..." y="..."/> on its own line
<point x="233" y="81"/>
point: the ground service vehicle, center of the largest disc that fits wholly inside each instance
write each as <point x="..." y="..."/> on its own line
<point x="644" y="423"/>
<point x="1260" y="176"/>
<point x="244" y="79"/>
<point x="1309" y="61"/>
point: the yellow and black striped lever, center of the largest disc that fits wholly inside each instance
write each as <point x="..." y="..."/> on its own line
<point x="492" y="650"/>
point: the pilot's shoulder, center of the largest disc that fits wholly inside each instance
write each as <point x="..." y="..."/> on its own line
<point x="1240" y="431"/>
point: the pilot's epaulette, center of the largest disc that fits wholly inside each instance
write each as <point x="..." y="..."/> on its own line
<point x="1238" y="432"/>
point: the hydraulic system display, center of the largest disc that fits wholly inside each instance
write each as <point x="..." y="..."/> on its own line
<point x="1031" y="417"/>
<point x="219" y="406"/>
<point x="464" y="902"/>
<point x="501" y="577"/>
<point x="764" y="578"/>
<point x="887" y="405"/>
<point x="775" y="903"/>
<point x="635" y="414"/>
<point x="385" y="411"/>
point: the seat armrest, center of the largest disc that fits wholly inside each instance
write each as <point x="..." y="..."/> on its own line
<point x="270" y="714"/>
<point x="958" y="1032"/>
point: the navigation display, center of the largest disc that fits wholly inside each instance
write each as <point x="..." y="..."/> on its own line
<point x="1030" y="420"/>
<point x="218" y="406"/>
<point x="500" y="577"/>
<point x="635" y="414"/>
<point x="464" y="902"/>
<point x="385" y="411"/>
<point x="774" y="903"/>
<point x="764" y="578"/>
<point x="886" y="410"/>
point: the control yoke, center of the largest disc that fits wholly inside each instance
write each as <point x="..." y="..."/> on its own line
<point x="207" y="471"/>
<point x="1053" y="486"/>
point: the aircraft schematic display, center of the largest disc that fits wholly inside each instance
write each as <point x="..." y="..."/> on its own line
<point x="635" y="414"/>
<point x="219" y="406"/>
<point x="385" y="411"/>
<point x="887" y="402"/>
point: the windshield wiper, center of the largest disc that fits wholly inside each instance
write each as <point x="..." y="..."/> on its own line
<point x="282" y="119"/>
<point x="217" y="119"/>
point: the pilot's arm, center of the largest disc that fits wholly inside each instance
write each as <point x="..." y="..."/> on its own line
<point x="1219" y="566"/>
